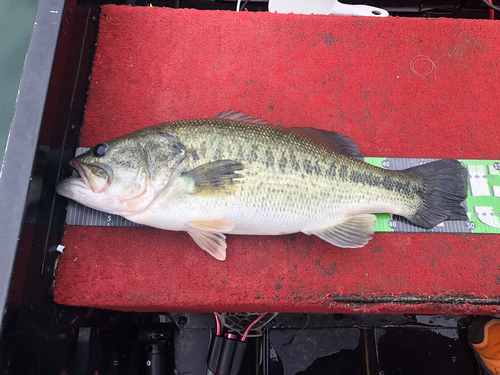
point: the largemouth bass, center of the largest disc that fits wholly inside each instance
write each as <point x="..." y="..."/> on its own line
<point x="236" y="174"/>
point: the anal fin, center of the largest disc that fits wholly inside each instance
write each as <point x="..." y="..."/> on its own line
<point x="353" y="232"/>
<point x="212" y="243"/>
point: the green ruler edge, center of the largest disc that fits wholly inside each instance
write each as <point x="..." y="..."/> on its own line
<point x="482" y="203"/>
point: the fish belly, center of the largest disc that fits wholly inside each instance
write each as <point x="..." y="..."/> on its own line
<point x="265" y="206"/>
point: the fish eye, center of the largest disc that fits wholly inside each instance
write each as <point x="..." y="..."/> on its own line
<point x="100" y="149"/>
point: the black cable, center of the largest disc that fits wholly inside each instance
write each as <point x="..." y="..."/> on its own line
<point x="244" y="5"/>
<point x="491" y="6"/>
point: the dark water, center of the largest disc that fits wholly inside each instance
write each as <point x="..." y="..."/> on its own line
<point x="16" y="23"/>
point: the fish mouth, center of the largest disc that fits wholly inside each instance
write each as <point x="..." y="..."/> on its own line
<point x="81" y="172"/>
<point x="96" y="185"/>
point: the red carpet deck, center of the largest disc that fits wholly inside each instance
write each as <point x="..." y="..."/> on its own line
<point x="399" y="87"/>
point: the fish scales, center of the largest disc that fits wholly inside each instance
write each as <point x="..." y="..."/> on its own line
<point x="234" y="174"/>
<point x="308" y="181"/>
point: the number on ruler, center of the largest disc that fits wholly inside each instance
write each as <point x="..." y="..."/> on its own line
<point x="471" y="225"/>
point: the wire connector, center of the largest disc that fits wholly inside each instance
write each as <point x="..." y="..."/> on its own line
<point x="225" y="355"/>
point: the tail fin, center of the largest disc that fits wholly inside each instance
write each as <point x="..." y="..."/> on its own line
<point x="443" y="186"/>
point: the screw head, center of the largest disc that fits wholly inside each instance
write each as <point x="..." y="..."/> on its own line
<point x="182" y="321"/>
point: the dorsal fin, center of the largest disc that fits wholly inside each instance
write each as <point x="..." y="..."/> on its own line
<point x="239" y="116"/>
<point x="332" y="140"/>
<point x="335" y="141"/>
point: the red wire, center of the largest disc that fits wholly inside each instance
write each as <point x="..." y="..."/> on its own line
<point x="251" y="326"/>
<point x="217" y="322"/>
<point x="492" y="12"/>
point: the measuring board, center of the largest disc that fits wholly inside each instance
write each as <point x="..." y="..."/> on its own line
<point x="482" y="203"/>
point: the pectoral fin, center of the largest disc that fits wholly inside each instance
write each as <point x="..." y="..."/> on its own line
<point x="215" y="177"/>
<point x="212" y="243"/>
<point x="353" y="232"/>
